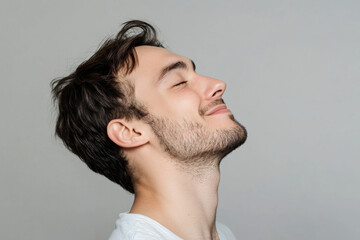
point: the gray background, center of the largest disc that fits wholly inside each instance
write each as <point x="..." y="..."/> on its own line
<point x="292" y="69"/>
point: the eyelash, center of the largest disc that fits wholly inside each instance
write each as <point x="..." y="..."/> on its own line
<point x="180" y="83"/>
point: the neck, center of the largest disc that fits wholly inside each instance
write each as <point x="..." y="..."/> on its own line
<point x="182" y="201"/>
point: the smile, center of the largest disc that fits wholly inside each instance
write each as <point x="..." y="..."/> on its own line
<point x="218" y="110"/>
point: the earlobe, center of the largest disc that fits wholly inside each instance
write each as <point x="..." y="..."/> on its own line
<point x="124" y="134"/>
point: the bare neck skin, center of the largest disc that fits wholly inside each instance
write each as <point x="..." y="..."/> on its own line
<point x="183" y="202"/>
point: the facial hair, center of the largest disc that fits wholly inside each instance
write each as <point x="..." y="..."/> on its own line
<point x="193" y="143"/>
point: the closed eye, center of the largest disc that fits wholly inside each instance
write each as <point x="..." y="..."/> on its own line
<point x="180" y="83"/>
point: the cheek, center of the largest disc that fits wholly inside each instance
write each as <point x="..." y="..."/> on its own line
<point x="181" y="104"/>
<point x="150" y="97"/>
<point x="184" y="103"/>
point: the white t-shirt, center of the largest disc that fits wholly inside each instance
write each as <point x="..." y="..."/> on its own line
<point x="130" y="226"/>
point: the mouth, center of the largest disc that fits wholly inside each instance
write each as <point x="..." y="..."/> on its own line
<point x="221" y="109"/>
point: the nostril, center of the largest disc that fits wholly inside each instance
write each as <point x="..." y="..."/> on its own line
<point x="216" y="92"/>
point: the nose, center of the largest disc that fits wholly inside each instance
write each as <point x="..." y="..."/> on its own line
<point x="212" y="88"/>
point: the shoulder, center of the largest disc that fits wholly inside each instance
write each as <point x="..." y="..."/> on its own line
<point x="224" y="232"/>
<point x="139" y="227"/>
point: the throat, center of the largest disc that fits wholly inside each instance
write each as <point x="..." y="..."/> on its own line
<point x="183" y="202"/>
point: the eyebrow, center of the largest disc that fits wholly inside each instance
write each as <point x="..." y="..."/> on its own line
<point x="173" y="66"/>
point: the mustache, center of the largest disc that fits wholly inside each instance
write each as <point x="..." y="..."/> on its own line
<point x="214" y="103"/>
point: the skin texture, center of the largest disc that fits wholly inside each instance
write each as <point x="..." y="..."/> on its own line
<point x="174" y="153"/>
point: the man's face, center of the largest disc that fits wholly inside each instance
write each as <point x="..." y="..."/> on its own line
<point x="186" y="111"/>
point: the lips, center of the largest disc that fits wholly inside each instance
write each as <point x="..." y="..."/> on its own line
<point x="217" y="110"/>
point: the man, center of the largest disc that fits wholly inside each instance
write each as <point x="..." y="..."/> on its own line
<point x="141" y="116"/>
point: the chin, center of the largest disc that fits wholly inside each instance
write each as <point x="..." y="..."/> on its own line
<point x="223" y="122"/>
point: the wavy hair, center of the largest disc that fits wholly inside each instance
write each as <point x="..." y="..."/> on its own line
<point x="94" y="94"/>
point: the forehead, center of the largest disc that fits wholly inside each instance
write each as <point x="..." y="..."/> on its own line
<point x="151" y="60"/>
<point x="153" y="55"/>
<point x="146" y="52"/>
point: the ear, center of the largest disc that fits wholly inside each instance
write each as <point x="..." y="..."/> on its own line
<point x="125" y="134"/>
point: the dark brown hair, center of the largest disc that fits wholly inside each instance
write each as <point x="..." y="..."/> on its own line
<point x="94" y="94"/>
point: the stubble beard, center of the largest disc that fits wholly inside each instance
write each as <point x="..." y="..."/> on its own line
<point x="193" y="144"/>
